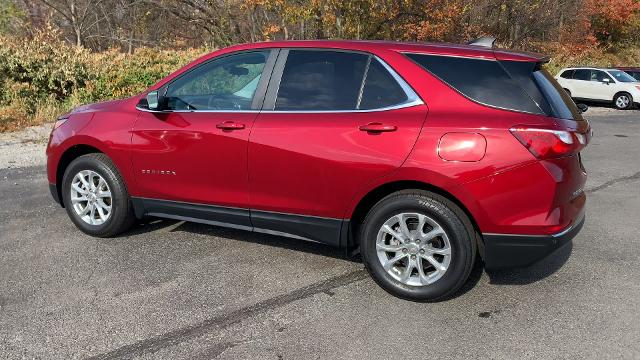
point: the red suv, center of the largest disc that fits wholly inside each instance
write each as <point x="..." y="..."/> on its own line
<point x="417" y="156"/>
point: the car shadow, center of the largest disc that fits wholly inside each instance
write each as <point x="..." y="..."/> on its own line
<point x="519" y="276"/>
<point x="534" y="273"/>
<point x="153" y="224"/>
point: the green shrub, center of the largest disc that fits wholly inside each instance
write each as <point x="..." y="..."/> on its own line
<point x="43" y="77"/>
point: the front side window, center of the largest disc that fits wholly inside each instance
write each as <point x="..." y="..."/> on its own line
<point x="600" y="76"/>
<point x="227" y="83"/>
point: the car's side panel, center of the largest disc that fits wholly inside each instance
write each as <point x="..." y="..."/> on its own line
<point x="103" y="126"/>
<point x="312" y="163"/>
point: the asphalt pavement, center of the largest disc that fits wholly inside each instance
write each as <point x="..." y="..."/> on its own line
<point x="175" y="290"/>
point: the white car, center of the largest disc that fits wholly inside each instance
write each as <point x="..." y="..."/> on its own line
<point x="603" y="85"/>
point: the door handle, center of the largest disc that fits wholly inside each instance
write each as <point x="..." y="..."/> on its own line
<point x="230" y="125"/>
<point x="377" y="128"/>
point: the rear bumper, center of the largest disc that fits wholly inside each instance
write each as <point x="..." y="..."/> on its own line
<point x="508" y="251"/>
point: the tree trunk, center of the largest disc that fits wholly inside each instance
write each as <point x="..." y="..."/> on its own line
<point x="78" y="34"/>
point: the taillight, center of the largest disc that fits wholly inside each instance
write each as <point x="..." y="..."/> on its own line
<point x="548" y="143"/>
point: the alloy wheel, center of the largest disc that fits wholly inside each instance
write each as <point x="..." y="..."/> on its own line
<point x="622" y="102"/>
<point x="91" y="197"/>
<point x="413" y="249"/>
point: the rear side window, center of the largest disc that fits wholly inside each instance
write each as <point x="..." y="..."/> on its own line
<point x="582" y="74"/>
<point x="321" y="80"/>
<point x="484" y="81"/>
<point x="380" y="89"/>
<point x="567" y="74"/>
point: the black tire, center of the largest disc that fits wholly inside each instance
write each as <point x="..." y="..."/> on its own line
<point x="121" y="217"/>
<point x="629" y="98"/>
<point x="451" y="218"/>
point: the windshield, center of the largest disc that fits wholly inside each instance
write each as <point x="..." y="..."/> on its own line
<point x="621" y="76"/>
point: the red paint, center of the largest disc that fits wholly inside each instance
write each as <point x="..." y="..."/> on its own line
<point x="323" y="164"/>
<point x="462" y="147"/>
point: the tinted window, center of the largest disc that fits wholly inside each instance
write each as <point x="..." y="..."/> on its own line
<point x="582" y="74"/>
<point x="228" y="83"/>
<point x="321" y="80"/>
<point x="562" y="106"/>
<point x="522" y="73"/>
<point x="599" y="76"/>
<point x="567" y="74"/>
<point x="635" y="74"/>
<point x="380" y="88"/>
<point x="484" y="81"/>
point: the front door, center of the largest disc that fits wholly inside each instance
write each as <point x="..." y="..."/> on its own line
<point x="602" y="85"/>
<point x="196" y="153"/>
<point x="337" y="121"/>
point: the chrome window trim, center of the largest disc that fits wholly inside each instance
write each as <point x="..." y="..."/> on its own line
<point x="198" y="111"/>
<point x="412" y="98"/>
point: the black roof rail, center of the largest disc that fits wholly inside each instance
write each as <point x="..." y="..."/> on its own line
<point x="485" y="42"/>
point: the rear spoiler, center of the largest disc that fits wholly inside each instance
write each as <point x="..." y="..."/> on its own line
<point x="485" y="42"/>
<point x="488" y="42"/>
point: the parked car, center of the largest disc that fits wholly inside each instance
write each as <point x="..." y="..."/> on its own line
<point x="601" y="85"/>
<point x="417" y="156"/>
<point x="633" y="71"/>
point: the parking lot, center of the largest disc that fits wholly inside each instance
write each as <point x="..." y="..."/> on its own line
<point x="177" y="290"/>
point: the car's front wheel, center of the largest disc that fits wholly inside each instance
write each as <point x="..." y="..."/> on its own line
<point x="418" y="245"/>
<point x="623" y="101"/>
<point x="96" y="197"/>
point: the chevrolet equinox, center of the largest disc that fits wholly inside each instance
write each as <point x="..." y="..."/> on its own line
<point x="420" y="157"/>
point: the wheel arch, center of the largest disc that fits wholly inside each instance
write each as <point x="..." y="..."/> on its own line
<point x="372" y="197"/>
<point x="620" y="93"/>
<point x="70" y="154"/>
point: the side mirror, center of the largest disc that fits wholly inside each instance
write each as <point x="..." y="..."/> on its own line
<point x="153" y="101"/>
<point x="606" y="81"/>
<point x="582" y="107"/>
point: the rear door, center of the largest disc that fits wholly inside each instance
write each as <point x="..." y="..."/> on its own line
<point x="581" y="84"/>
<point x="333" y="121"/>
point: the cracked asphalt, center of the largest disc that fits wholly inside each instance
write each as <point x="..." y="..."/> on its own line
<point x="174" y="290"/>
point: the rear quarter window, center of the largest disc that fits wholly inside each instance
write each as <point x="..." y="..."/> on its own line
<point x="513" y="85"/>
<point x="483" y="81"/>
<point x="567" y="74"/>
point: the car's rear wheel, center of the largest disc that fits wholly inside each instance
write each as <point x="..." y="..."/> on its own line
<point x="623" y="101"/>
<point x="96" y="197"/>
<point x="418" y="245"/>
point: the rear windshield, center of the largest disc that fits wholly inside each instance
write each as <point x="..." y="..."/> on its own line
<point x="512" y="85"/>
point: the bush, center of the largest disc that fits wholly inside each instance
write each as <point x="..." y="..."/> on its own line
<point x="44" y="77"/>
